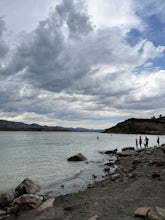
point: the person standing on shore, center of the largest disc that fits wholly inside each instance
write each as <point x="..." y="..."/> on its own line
<point x="146" y="142"/>
<point x="136" y="144"/>
<point x="140" y="142"/>
<point x="158" y="141"/>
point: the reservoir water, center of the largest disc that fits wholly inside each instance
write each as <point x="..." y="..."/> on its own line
<point x="42" y="156"/>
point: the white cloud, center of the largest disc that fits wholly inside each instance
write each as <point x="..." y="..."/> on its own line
<point x="114" y="13"/>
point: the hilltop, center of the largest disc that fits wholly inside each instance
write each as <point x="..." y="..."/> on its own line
<point x="20" y="126"/>
<point x="139" y="126"/>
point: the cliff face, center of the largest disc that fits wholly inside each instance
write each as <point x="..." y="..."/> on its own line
<point x="139" y="126"/>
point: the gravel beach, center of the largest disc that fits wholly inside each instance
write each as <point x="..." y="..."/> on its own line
<point x="139" y="181"/>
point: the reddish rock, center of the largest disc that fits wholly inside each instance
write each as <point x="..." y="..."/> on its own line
<point x="142" y="211"/>
<point x="156" y="213"/>
<point x="26" y="187"/>
<point x="5" y="199"/>
<point x="77" y="157"/>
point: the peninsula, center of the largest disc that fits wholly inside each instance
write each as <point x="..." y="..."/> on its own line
<point x="155" y="126"/>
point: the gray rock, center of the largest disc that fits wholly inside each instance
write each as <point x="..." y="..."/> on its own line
<point x="77" y="157"/>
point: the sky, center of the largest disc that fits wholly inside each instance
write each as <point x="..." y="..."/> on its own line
<point x="79" y="63"/>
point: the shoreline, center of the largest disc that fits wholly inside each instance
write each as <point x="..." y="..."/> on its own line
<point x="138" y="181"/>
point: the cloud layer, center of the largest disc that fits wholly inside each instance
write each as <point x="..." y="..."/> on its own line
<point x="81" y="68"/>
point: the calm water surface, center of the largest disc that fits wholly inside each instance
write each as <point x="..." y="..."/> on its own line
<point x="42" y="156"/>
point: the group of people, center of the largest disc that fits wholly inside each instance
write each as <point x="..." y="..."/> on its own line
<point x="146" y="142"/>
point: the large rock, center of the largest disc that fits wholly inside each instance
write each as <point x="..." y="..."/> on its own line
<point x="26" y="187"/>
<point x="156" y="213"/>
<point x="5" y="199"/>
<point x="77" y="157"/>
<point x="142" y="212"/>
<point x="28" y="201"/>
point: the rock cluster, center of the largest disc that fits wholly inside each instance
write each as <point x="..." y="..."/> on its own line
<point x="23" y="198"/>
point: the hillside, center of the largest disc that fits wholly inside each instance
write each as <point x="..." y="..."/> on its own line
<point x="20" y="126"/>
<point x="139" y="126"/>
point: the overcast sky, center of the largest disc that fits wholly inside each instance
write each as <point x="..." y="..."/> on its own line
<point x="78" y="63"/>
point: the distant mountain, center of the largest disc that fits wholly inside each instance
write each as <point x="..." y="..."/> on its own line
<point x="139" y="126"/>
<point x="20" y="126"/>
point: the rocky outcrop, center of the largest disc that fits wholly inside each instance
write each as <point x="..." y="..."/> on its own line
<point x="77" y="157"/>
<point x="27" y="201"/>
<point x="23" y="198"/>
<point x="139" y="126"/>
<point x="26" y="187"/>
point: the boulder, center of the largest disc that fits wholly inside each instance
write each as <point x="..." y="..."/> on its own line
<point x="28" y="201"/>
<point x="6" y="199"/>
<point x="26" y="187"/>
<point x="46" y="204"/>
<point x="142" y="212"/>
<point x="77" y="157"/>
<point x="156" y="213"/>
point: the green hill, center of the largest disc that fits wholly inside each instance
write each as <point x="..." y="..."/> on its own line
<point x="139" y="126"/>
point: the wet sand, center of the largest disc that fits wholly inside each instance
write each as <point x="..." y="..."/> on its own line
<point x="139" y="181"/>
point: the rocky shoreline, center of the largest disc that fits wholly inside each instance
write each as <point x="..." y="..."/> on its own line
<point x="137" y="182"/>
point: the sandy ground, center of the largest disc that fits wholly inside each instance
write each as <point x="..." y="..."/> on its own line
<point x="140" y="181"/>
